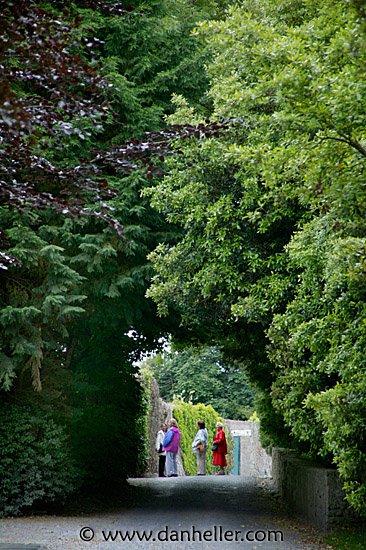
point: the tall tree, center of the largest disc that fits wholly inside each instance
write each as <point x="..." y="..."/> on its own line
<point x="200" y="375"/>
<point x="151" y="57"/>
<point x="74" y="229"/>
<point x="229" y="273"/>
<point x="51" y="168"/>
<point x="281" y="243"/>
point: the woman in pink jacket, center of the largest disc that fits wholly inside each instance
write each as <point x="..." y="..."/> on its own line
<point x="171" y="446"/>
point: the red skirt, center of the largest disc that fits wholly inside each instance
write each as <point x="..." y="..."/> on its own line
<point x="219" y="459"/>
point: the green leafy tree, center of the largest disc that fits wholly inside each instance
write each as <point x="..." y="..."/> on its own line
<point x="229" y="273"/>
<point x="199" y="375"/>
<point x="295" y="73"/>
<point x="149" y="55"/>
<point x="35" y="463"/>
<point x="74" y="230"/>
<point x="61" y="139"/>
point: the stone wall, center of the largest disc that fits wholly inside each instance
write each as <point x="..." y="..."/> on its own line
<point x="311" y="490"/>
<point x="254" y="461"/>
<point x="160" y="413"/>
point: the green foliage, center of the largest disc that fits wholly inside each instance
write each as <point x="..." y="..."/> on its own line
<point x="224" y="264"/>
<point x="200" y="375"/>
<point x="147" y="57"/>
<point x="273" y="429"/>
<point x="150" y="57"/>
<point x="38" y="300"/>
<point x="35" y="464"/>
<point x="254" y="418"/>
<point x="144" y="376"/>
<point x="110" y="409"/>
<point x="320" y="345"/>
<point x="187" y="416"/>
<point x="80" y="289"/>
<point x="228" y="273"/>
<point x="347" y="539"/>
<point x="273" y="220"/>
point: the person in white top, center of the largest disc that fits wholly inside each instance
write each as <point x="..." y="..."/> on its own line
<point x="159" y="449"/>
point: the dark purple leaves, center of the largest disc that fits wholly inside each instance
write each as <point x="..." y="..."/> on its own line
<point x="46" y="87"/>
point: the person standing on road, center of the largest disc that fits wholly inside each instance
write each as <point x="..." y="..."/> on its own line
<point x="199" y="447"/>
<point x="221" y="449"/>
<point x="171" y="446"/>
<point x="159" y="449"/>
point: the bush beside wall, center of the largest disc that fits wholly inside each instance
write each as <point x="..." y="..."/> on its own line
<point x="187" y="416"/>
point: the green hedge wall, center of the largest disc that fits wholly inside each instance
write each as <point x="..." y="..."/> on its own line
<point x="35" y="462"/>
<point x="187" y="416"/>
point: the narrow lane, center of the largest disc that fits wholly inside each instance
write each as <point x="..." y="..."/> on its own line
<point x="207" y="513"/>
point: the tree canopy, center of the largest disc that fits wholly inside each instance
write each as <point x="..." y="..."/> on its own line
<point x="273" y="216"/>
<point x="75" y="232"/>
<point x="67" y="196"/>
<point x="255" y="233"/>
<point x="200" y="375"/>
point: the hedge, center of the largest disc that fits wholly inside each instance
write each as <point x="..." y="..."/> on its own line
<point x="35" y="462"/>
<point x="187" y="416"/>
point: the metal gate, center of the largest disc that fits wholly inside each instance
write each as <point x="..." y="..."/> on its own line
<point x="236" y="468"/>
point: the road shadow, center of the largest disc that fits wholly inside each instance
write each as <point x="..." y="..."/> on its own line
<point x="198" y="493"/>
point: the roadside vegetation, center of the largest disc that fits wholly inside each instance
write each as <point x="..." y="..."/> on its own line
<point x="348" y="539"/>
<point x="199" y="375"/>
<point x="191" y="170"/>
<point x="270" y="264"/>
<point x="77" y="82"/>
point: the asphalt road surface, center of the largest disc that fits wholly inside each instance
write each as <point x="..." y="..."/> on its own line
<point x="201" y="512"/>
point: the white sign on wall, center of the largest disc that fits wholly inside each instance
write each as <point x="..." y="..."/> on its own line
<point x="241" y="432"/>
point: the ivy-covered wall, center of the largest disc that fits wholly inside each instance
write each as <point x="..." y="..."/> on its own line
<point x="187" y="416"/>
<point x="158" y="412"/>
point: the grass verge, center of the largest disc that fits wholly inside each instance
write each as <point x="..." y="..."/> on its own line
<point x="347" y="539"/>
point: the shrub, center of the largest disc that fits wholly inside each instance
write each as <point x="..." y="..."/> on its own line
<point x="35" y="464"/>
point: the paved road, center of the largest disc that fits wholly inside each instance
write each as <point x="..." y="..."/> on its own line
<point x="205" y="513"/>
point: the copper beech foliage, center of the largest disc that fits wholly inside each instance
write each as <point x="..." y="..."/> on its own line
<point x="49" y="83"/>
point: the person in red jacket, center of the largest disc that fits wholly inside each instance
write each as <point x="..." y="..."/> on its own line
<point x="219" y="455"/>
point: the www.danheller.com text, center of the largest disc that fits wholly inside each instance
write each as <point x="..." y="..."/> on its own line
<point x="166" y="534"/>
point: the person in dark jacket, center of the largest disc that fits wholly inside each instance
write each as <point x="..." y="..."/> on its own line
<point x="159" y="449"/>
